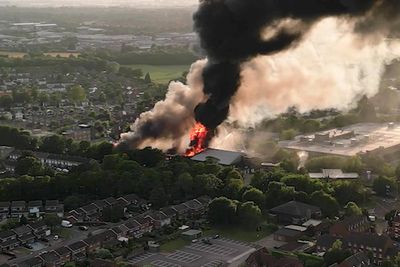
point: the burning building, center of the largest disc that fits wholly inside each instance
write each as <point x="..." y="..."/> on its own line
<point x="258" y="65"/>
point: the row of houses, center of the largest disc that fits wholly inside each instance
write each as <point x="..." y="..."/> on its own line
<point x="76" y="251"/>
<point x="134" y="227"/>
<point x="263" y="257"/>
<point x="35" y="208"/>
<point x="56" y="161"/>
<point x="22" y="235"/>
<point x="93" y="211"/>
<point x="301" y="221"/>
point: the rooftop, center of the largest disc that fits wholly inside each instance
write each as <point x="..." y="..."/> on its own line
<point x="365" y="137"/>
<point x="295" y="208"/>
<point x="223" y="157"/>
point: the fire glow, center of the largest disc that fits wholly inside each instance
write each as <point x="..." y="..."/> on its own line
<point x="198" y="140"/>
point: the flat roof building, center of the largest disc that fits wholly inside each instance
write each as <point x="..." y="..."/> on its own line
<point x="223" y="157"/>
<point x="361" y="138"/>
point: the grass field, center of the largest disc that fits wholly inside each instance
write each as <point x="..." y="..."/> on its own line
<point x="53" y="54"/>
<point x="162" y="74"/>
<point x="173" y="245"/>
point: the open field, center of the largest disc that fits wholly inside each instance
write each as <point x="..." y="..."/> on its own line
<point x="160" y="73"/>
<point x="22" y="54"/>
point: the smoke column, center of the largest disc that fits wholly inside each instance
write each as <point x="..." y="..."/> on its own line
<point x="267" y="55"/>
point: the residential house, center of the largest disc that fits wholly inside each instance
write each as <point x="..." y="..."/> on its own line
<point x="381" y="247"/>
<point x="101" y="204"/>
<point x="4" y="210"/>
<point x="146" y="224"/>
<point x="51" y="259"/>
<point x="54" y="207"/>
<point x="294" y="212"/>
<point x="118" y="231"/>
<point x="196" y="208"/>
<point x="99" y="240"/>
<point x="91" y="212"/>
<point x="102" y="263"/>
<point x="134" y="228"/>
<point x="111" y="201"/>
<point x="18" y="209"/>
<point x="75" y="216"/>
<point x="262" y="257"/>
<point x="78" y="250"/>
<point x="290" y="233"/>
<point x="39" y="229"/>
<point x="31" y="262"/>
<point x="169" y="212"/>
<point x="181" y="210"/>
<point x="159" y="219"/>
<point x="394" y="227"/>
<point x="24" y="234"/>
<point x="8" y="240"/>
<point x="359" y="259"/>
<point x="65" y="254"/>
<point x="35" y="208"/>
<point x="353" y="224"/>
<point x="132" y="200"/>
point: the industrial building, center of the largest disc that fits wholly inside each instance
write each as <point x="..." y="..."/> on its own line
<point x="361" y="138"/>
<point x="223" y="157"/>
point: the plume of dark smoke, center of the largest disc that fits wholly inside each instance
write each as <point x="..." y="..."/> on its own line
<point x="231" y="33"/>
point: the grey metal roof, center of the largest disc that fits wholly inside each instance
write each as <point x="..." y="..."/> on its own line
<point x="295" y="208"/>
<point x="224" y="157"/>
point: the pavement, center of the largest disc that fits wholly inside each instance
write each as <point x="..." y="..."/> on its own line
<point x="199" y="254"/>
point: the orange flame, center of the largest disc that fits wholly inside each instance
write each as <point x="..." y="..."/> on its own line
<point x="198" y="140"/>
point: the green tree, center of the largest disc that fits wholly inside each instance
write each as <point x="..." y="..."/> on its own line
<point x="6" y="101"/>
<point x="158" y="197"/>
<point x="76" y="94"/>
<point x="206" y="184"/>
<point x="28" y="165"/>
<point x="147" y="78"/>
<point x="23" y="220"/>
<point x="289" y="134"/>
<point x="249" y="214"/>
<point x="52" y="220"/>
<point x="336" y="254"/>
<point x="72" y="202"/>
<point x="53" y="144"/>
<point x="254" y="195"/>
<point x="328" y="204"/>
<point x="352" y="209"/>
<point x="233" y="188"/>
<point x="222" y="211"/>
<point x="103" y="253"/>
<point x="384" y="186"/>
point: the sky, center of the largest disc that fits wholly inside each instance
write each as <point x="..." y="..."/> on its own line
<point x="133" y="3"/>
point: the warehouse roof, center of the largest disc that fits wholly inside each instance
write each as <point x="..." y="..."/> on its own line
<point x="223" y="157"/>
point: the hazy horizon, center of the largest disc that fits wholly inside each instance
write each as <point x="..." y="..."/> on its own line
<point x="98" y="3"/>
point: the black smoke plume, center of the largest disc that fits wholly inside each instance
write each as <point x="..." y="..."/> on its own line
<point x="230" y="32"/>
